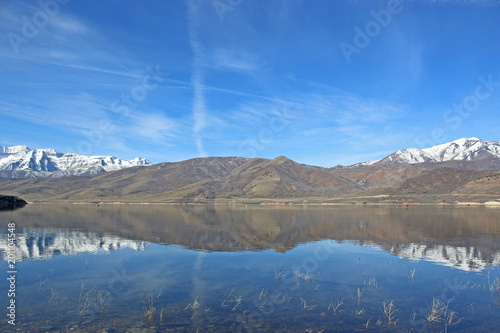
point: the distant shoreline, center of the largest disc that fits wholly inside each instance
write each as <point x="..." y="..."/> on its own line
<point x="273" y="203"/>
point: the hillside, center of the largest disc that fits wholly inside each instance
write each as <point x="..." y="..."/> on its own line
<point x="439" y="185"/>
<point x="233" y="179"/>
<point x="195" y="180"/>
<point x="464" y="170"/>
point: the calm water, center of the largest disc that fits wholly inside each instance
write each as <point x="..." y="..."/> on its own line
<point x="149" y="268"/>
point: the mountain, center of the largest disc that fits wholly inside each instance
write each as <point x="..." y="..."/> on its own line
<point x="23" y="162"/>
<point x="195" y="180"/>
<point x="465" y="149"/>
<point x="36" y="243"/>
<point x="44" y="243"/>
<point x="463" y="238"/>
<point x="460" y="257"/>
<point x="437" y="185"/>
<point x="465" y="170"/>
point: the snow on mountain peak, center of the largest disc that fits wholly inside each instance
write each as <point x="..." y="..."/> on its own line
<point x="464" y="149"/>
<point x="12" y="150"/>
<point x="23" y="162"/>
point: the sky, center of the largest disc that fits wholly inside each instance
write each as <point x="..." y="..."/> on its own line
<point x="320" y="82"/>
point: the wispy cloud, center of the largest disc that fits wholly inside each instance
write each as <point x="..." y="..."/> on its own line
<point x="362" y="110"/>
<point x="74" y="113"/>
<point x="56" y="31"/>
<point x="69" y="25"/>
<point x="233" y="59"/>
<point x="199" y="105"/>
<point x="224" y="82"/>
<point x="480" y="3"/>
<point x="154" y="126"/>
<point x="72" y="65"/>
<point x="317" y="120"/>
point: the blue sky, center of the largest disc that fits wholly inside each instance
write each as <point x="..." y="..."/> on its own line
<point x="321" y="82"/>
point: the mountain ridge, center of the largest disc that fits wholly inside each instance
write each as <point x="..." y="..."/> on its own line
<point x="463" y="239"/>
<point x="474" y="178"/>
<point x="23" y="162"/>
<point x="464" y="149"/>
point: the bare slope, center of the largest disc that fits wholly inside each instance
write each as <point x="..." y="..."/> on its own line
<point x="437" y="185"/>
<point x="236" y="179"/>
<point x="195" y="180"/>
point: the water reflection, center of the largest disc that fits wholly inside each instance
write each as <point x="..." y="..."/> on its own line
<point x="43" y="243"/>
<point x="464" y="238"/>
<point x="152" y="268"/>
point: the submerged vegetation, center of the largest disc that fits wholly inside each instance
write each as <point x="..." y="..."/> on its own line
<point x="286" y="304"/>
<point x="315" y="286"/>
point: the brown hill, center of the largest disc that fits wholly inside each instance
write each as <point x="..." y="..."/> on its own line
<point x="236" y="179"/>
<point x="196" y="180"/>
<point x="437" y="185"/>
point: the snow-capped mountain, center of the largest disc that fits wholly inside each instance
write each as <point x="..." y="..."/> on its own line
<point x="43" y="243"/>
<point x="465" y="149"/>
<point x="23" y="162"/>
<point x="461" y="257"/>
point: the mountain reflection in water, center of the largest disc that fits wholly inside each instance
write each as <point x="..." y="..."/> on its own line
<point x="464" y="238"/>
<point x="186" y="268"/>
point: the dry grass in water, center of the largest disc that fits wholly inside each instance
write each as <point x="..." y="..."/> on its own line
<point x="306" y="307"/>
<point x="161" y="320"/>
<point x="440" y="312"/>
<point x="84" y="298"/>
<point x="335" y="306"/>
<point x="223" y="303"/>
<point x="373" y="283"/>
<point x="360" y="294"/>
<point x="262" y="294"/>
<point x="360" y="312"/>
<point x="149" y="309"/>
<point x="390" y="312"/>
<point x="495" y="285"/>
<point x="101" y="299"/>
<point x="42" y="282"/>
<point x="55" y="296"/>
<point x="238" y="301"/>
<point x="411" y="276"/>
<point x="278" y="274"/>
<point x="297" y="275"/>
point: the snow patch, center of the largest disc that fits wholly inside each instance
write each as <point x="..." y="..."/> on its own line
<point x="49" y="163"/>
<point x="464" y="149"/>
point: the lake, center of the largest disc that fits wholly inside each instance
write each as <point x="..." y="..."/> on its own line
<point x="188" y="268"/>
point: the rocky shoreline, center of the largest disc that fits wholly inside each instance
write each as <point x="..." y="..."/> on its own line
<point x="8" y="202"/>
